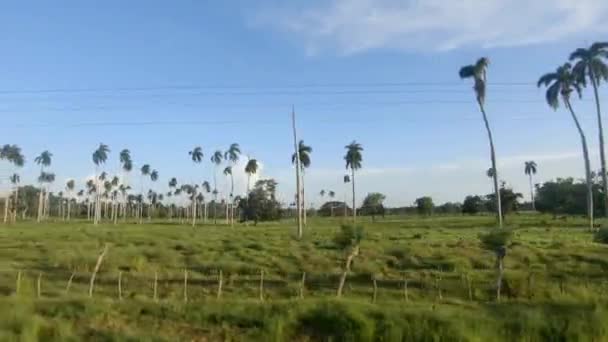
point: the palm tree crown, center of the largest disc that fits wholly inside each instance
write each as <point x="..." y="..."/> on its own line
<point x="227" y="170"/>
<point x="530" y="167"/>
<point x="561" y="82"/>
<point x="13" y="154"/>
<point x="145" y="170"/>
<point x="251" y="167"/>
<point x="216" y="158"/>
<point x="353" y="155"/>
<point x="125" y="160"/>
<point x="477" y="71"/>
<point x="196" y="154"/>
<point x="101" y="154"/>
<point x="589" y="63"/>
<point x="154" y="175"/>
<point x="233" y="153"/>
<point x="304" y="151"/>
<point x="44" y="159"/>
<point x="69" y="185"/>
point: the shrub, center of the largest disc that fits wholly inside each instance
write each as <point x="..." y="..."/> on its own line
<point x="348" y="236"/>
<point x="496" y="239"/>
<point x="601" y="236"/>
<point x="334" y="322"/>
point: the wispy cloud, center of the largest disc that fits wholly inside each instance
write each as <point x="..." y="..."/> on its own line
<point x="352" y="26"/>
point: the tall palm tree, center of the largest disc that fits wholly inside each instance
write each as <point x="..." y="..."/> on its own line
<point x="69" y="188"/>
<point x="228" y="173"/>
<point x="353" y="159"/>
<point x="250" y="169"/>
<point x="562" y="83"/>
<point x="206" y="189"/>
<point x="303" y="152"/>
<point x="196" y="155"/>
<point x="477" y="72"/>
<point x="99" y="158"/>
<point x="45" y="178"/>
<point x="590" y="66"/>
<point x="126" y="164"/>
<point x="11" y="153"/>
<point x="172" y="186"/>
<point x="216" y="159"/>
<point x="232" y="154"/>
<point x="153" y="178"/>
<point x="530" y="169"/>
<point x="15" y="179"/>
<point x="145" y="173"/>
<point x="44" y="160"/>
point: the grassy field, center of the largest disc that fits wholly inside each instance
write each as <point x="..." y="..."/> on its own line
<point x="555" y="284"/>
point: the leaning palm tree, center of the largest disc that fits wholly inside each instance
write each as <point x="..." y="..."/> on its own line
<point x="216" y="159"/>
<point x="99" y="158"/>
<point x="529" y="170"/>
<point x="353" y="160"/>
<point x="590" y="66"/>
<point x="477" y="72"/>
<point x="69" y="188"/>
<point x="44" y="160"/>
<point x="232" y="154"/>
<point x="250" y="169"/>
<point x="196" y="155"/>
<point x="562" y="83"/>
<point x="303" y="152"/>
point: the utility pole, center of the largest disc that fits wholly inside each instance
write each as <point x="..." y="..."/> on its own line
<point x="298" y="191"/>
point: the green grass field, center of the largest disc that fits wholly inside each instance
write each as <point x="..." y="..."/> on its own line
<point x="554" y="288"/>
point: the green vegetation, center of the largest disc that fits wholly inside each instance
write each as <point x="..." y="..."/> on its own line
<point x="552" y="286"/>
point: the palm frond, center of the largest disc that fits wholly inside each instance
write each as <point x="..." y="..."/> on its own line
<point x="467" y="71"/>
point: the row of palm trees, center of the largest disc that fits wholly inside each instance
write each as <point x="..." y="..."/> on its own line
<point x="589" y="68"/>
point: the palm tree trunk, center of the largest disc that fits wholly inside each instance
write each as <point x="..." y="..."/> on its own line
<point x="354" y="200"/>
<point x="16" y="204"/>
<point x="493" y="158"/>
<point x="601" y="141"/>
<point x="193" y="212"/>
<point x="69" y="208"/>
<point x="40" y="204"/>
<point x="298" y="189"/>
<point x="587" y="164"/>
<point x="531" y="191"/>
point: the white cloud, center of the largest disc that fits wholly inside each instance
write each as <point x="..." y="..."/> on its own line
<point x="352" y="26"/>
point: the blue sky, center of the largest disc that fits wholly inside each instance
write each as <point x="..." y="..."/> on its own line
<point x="160" y="77"/>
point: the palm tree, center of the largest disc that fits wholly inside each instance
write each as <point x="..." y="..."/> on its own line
<point x="590" y="66"/>
<point x="172" y="186"/>
<point x="69" y="188"/>
<point x="216" y="159"/>
<point x="197" y="157"/>
<point x="127" y="166"/>
<point x="250" y="169"/>
<point x="530" y="169"/>
<point x="153" y="178"/>
<point x="15" y="179"/>
<point x="99" y="158"/>
<point x="44" y="160"/>
<point x="477" y="72"/>
<point x="331" y="195"/>
<point x="561" y="83"/>
<point x="232" y="154"/>
<point x="303" y="152"/>
<point x="45" y="178"/>
<point x="353" y="160"/>
<point x="228" y="173"/>
<point x="145" y="173"/>
<point x="11" y="153"/>
<point x="207" y="189"/>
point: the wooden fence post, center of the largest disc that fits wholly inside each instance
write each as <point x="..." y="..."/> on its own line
<point x="18" y="286"/>
<point x="67" y="288"/>
<point x="155" y="286"/>
<point x="120" y="285"/>
<point x="261" y="285"/>
<point x="39" y="284"/>
<point x="375" y="290"/>
<point x="97" y="266"/>
<point x="302" y="285"/>
<point x="185" y="285"/>
<point x="220" y="282"/>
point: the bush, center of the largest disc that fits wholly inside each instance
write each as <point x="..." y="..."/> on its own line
<point x="601" y="236"/>
<point x="496" y="239"/>
<point x="349" y="235"/>
<point x="334" y="322"/>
